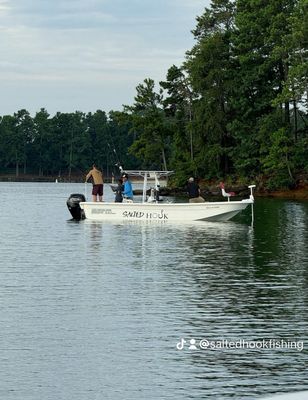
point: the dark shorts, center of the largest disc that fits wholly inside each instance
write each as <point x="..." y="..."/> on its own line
<point x="97" y="189"/>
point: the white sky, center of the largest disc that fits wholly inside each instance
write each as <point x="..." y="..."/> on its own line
<point x="68" y="55"/>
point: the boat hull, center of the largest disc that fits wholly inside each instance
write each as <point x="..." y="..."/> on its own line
<point x="212" y="211"/>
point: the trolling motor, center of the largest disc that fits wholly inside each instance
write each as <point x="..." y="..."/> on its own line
<point x="74" y="207"/>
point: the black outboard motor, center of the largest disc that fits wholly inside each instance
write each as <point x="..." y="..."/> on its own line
<point x="74" y="207"/>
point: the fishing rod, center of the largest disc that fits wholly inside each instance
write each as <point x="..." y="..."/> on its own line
<point x="116" y="158"/>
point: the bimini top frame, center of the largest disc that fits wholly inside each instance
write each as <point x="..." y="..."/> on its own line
<point x="156" y="175"/>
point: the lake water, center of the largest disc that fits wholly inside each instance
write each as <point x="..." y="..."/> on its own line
<point x="98" y="310"/>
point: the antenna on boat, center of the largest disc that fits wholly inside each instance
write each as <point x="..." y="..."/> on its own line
<point x="251" y="187"/>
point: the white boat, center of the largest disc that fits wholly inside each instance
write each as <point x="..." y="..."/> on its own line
<point x="152" y="209"/>
<point x="212" y="211"/>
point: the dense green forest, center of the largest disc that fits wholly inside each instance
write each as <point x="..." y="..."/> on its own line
<point x="237" y="108"/>
<point x="64" y="145"/>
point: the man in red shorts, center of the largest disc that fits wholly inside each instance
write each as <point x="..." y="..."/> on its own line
<point x="98" y="183"/>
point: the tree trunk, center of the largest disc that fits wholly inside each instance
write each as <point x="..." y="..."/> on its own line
<point x="289" y="169"/>
<point x="164" y="159"/>
<point x="287" y="104"/>
<point x="287" y="112"/>
<point x="295" y="120"/>
<point x="70" y="161"/>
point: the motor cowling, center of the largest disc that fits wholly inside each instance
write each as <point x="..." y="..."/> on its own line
<point x="74" y="207"/>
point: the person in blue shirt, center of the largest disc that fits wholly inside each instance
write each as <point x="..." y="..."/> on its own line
<point x="127" y="188"/>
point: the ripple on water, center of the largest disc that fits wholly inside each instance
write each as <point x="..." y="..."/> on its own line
<point x="92" y="310"/>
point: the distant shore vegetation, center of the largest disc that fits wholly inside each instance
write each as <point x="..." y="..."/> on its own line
<point x="236" y="109"/>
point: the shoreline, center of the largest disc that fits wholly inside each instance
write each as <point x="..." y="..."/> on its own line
<point x="35" y="178"/>
<point x="295" y="194"/>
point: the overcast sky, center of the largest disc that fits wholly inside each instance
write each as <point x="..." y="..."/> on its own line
<point x="68" y="55"/>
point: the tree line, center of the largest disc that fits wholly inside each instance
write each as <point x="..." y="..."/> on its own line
<point x="236" y="107"/>
<point x="66" y="144"/>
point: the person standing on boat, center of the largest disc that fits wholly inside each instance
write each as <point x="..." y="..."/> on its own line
<point x="194" y="191"/>
<point x="127" y="188"/>
<point x="98" y="183"/>
<point x="119" y="191"/>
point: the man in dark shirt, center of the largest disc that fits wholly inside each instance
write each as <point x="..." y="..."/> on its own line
<point x="193" y="190"/>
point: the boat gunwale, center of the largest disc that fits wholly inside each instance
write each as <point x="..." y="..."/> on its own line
<point x="154" y="204"/>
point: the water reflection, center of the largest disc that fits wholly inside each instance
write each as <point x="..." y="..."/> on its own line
<point x="95" y="310"/>
<point x="95" y="236"/>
